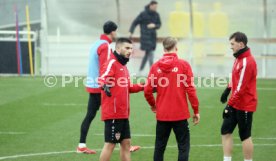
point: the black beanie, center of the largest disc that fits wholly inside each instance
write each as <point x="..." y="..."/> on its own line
<point x="109" y="26"/>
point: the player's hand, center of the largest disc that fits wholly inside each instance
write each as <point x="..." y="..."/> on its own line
<point x="196" y="119"/>
<point x="153" y="109"/>
<point x="151" y="26"/>
<point x="143" y="86"/>
<point x="224" y="95"/>
<point x="106" y="90"/>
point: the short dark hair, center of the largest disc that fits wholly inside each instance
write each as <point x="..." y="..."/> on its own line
<point x="239" y="37"/>
<point x="109" y="26"/>
<point x="153" y="2"/>
<point x="123" y="40"/>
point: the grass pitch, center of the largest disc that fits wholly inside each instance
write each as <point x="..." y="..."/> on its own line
<point x="38" y="123"/>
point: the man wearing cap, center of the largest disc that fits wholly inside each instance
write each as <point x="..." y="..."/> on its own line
<point x="99" y="54"/>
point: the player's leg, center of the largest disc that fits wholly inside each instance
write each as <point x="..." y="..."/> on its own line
<point x="227" y="128"/>
<point x="93" y="106"/>
<point x="110" y="129"/>
<point x="107" y="151"/>
<point x="151" y="57"/>
<point x="123" y="128"/>
<point x="163" y="130"/>
<point x="124" y="150"/>
<point x="245" y="123"/>
<point x="227" y="143"/>
<point x="248" y="148"/>
<point x="144" y="60"/>
<point x="182" y="134"/>
<point x="133" y="148"/>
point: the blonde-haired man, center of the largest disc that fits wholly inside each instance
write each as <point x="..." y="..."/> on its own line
<point x="172" y="78"/>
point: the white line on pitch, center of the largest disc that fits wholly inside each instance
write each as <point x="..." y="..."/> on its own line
<point x="63" y="104"/>
<point x="206" y="145"/>
<point x="35" y="154"/>
<point x="11" y="133"/>
<point x="264" y="138"/>
<point x="153" y="135"/>
<point x="144" y="147"/>
<point x="138" y="135"/>
<point x="267" y="89"/>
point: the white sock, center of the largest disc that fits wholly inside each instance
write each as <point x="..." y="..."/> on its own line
<point x="82" y="145"/>
<point x="247" y="159"/>
<point x="227" y="158"/>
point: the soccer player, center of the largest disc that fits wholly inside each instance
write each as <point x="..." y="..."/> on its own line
<point x="243" y="101"/>
<point x="172" y="78"/>
<point x="115" y="108"/>
<point x="99" y="54"/>
<point x="149" y="21"/>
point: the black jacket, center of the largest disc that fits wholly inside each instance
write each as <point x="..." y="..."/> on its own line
<point x="148" y="36"/>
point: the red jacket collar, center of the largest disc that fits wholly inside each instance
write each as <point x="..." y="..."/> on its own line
<point x="245" y="54"/>
<point x="170" y="54"/>
<point x="105" y="37"/>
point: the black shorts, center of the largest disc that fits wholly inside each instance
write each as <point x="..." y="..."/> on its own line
<point x="116" y="130"/>
<point x="232" y="117"/>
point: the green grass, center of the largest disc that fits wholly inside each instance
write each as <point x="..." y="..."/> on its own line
<point x="50" y="118"/>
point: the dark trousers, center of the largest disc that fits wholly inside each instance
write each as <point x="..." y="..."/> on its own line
<point x="148" y="56"/>
<point x="182" y="134"/>
<point x="94" y="103"/>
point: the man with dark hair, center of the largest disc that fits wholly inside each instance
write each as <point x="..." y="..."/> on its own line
<point x="116" y="86"/>
<point x="149" y="21"/>
<point x="239" y="37"/>
<point x="99" y="54"/>
<point x="243" y="101"/>
<point x="109" y="26"/>
<point x="171" y="105"/>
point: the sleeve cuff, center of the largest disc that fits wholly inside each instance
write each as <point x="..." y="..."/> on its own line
<point x="196" y="111"/>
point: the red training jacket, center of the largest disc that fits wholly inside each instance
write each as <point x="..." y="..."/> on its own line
<point x="103" y="58"/>
<point x="171" y="101"/>
<point x="116" y="75"/>
<point x="243" y="84"/>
